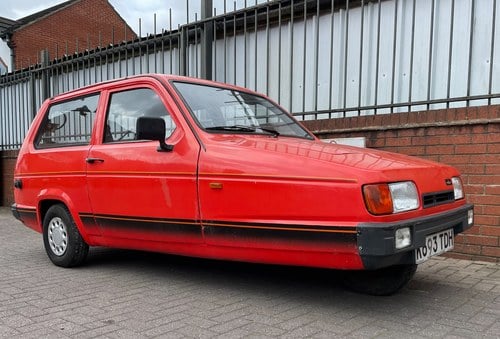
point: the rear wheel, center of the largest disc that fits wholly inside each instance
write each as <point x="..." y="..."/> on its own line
<point x="384" y="281"/>
<point x="62" y="240"/>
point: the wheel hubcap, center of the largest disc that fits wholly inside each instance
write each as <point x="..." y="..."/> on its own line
<point x="58" y="236"/>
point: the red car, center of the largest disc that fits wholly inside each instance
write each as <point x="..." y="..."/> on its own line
<point x="198" y="168"/>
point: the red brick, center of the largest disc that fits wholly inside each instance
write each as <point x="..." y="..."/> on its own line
<point x="485" y="199"/>
<point x="467" y="249"/>
<point x="491" y="251"/>
<point x="471" y="149"/>
<point x="440" y="149"/>
<point x="491" y="210"/>
<point x="429" y="140"/>
<point x="471" y="169"/>
<point x="493" y="148"/>
<point x="484" y="158"/>
<point x="492" y="189"/>
<point x="487" y="138"/>
<point x="397" y="141"/>
<point x="493" y="169"/>
<point x="454" y="159"/>
<point x="484" y="179"/>
<point x="406" y="132"/>
<point x="490" y="230"/>
<point x="481" y="240"/>
<point x="474" y="189"/>
<point x="489" y="220"/>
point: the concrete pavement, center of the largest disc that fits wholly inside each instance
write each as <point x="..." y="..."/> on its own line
<point x="129" y="294"/>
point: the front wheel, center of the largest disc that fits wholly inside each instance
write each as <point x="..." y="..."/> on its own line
<point x="63" y="243"/>
<point x="384" y="281"/>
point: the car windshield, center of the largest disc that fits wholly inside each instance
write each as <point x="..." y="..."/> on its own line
<point x="225" y="110"/>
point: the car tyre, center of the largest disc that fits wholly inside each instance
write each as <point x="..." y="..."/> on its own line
<point x="62" y="240"/>
<point x="384" y="281"/>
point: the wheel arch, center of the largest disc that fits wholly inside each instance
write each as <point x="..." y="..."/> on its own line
<point x="45" y="204"/>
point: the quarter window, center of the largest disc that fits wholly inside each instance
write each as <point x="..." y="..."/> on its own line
<point x="126" y="107"/>
<point x="69" y="123"/>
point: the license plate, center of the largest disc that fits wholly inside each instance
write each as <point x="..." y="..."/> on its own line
<point x="435" y="244"/>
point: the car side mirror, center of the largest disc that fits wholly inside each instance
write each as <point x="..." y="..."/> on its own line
<point x="150" y="128"/>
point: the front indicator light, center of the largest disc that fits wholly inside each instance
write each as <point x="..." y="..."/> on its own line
<point x="378" y="199"/>
<point x="402" y="238"/>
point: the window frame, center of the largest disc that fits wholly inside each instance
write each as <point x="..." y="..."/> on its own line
<point x="44" y="121"/>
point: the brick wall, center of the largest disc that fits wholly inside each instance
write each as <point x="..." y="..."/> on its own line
<point x="467" y="138"/>
<point x="82" y="25"/>
<point x="7" y="164"/>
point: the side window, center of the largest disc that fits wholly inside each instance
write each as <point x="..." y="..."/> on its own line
<point x="68" y="123"/>
<point x="126" y="107"/>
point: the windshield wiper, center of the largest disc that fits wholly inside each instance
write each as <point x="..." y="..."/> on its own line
<point x="243" y="128"/>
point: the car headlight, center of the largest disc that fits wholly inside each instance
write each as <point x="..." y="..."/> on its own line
<point x="391" y="198"/>
<point x="458" y="189"/>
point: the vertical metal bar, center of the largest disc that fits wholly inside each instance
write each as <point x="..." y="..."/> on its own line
<point x="292" y="5"/>
<point x="245" y="44"/>
<point x="234" y="45"/>
<point x="346" y="46"/>
<point x="429" y="64"/>
<point x="304" y="58"/>
<point x="450" y="52"/>
<point x="279" y="53"/>
<point x="225" y="44"/>
<point x="330" y="86"/>
<point x="471" y="38"/>
<point x="377" y="58"/>
<point x="196" y="45"/>
<point x="394" y="40"/>
<point x="316" y="60"/>
<point x="154" y="44"/>
<point x="207" y="38"/>
<point x="360" y="76"/>
<point x="267" y="49"/>
<point x="139" y="46"/>
<point x="255" y="48"/>
<point x="492" y="50"/>
<point x="412" y="51"/>
<point x="214" y="72"/>
<point x="170" y="39"/>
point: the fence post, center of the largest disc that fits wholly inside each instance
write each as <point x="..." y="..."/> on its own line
<point x="45" y="85"/>
<point x="207" y="36"/>
<point x="183" y="50"/>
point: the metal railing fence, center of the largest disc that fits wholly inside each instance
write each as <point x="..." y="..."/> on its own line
<point x="320" y="59"/>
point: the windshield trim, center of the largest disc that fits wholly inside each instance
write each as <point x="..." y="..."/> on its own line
<point x="307" y="134"/>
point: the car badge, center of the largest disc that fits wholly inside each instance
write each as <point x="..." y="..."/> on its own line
<point x="448" y="182"/>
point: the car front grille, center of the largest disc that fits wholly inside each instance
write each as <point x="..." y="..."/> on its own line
<point x="437" y="198"/>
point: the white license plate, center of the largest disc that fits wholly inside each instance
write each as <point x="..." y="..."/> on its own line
<point x="435" y="244"/>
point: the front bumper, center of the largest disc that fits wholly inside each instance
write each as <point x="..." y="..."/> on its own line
<point x="376" y="243"/>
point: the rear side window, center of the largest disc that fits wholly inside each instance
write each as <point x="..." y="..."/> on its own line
<point x="68" y="123"/>
<point x="126" y="107"/>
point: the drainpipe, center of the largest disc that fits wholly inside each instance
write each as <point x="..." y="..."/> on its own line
<point x="10" y="44"/>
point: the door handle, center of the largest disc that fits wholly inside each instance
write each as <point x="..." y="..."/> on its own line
<point x="93" y="160"/>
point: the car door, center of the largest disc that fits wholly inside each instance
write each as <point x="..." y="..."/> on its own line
<point x="138" y="193"/>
